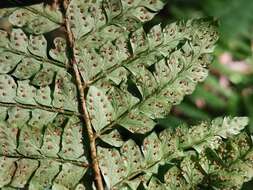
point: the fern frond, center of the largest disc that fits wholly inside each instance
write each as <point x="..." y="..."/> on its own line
<point x="92" y="17"/>
<point x="40" y="148"/>
<point x="210" y="170"/>
<point x="35" y="19"/>
<point x="40" y="174"/>
<point x="161" y="74"/>
<point x="131" y="161"/>
<point x="30" y="77"/>
<point x="63" y="102"/>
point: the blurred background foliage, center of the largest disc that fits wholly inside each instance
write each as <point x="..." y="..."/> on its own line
<point x="229" y="88"/>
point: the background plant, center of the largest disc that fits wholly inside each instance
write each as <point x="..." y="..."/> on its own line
<point x="228" y="86"/>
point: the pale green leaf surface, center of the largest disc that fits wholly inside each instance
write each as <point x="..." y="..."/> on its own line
<point x="7" y="88"/>
<point x="24" y="57"/>
<point x="131" y="78"/>
<point x="19" y="40"/>
<point x="26" y="68"/>
<point x="52" y="140"/>
<point x="80" y="187"/>
<point x="44" y="175"/>
<point x="91" y="16"/>
<point x="230" y="126"/>
<point x="152" y="149"/>
<point x="43" y="96"/>
<point x="58" y="53"/>
<point x="7" y="139"/>
<point x="113" y="138"/>
<point x="111" y="162"/>
<point x="157" y="151"/>
<point x="99" y="107"/>
<point x="30" y="140"/>
<point x="137" y="122"/>
<point x="7" y="170"/>
<point x="72" y="143"/>
<point x="8" y="61"/>
<point x="36" y="19"/>
<point x="38" y="45"/>
<point x="65" y="93"/>
<point x="25" y="168"/>
<point x="69" y="176"/>
<point x="17" y="117"/>
<point x="41" y="150"/>
<point x="25" y="93"/>
<point x="41" y="117"/>
<point x="175" y="75"/>
<point x="155" y="184"/>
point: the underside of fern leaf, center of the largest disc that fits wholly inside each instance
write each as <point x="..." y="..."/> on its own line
<point x="64" y="102"/>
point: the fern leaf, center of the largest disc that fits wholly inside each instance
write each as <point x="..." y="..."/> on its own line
<point x="37" y="148"/>
<point x="37" y="76"/>
<point x="131" y="161"/>
<point x="208" y="170"/>
<point x="92" y="16"/>
<point x="161" y="77"/>
<point x="103" y="75"/>
<point x="17" y="172"/>
<point x="35" y="19"/>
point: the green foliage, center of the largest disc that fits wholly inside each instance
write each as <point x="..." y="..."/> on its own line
<point x="132" y="77"/>
<point x="230" y="13"/>
<point x="36" y="19"/>
<point x="216" y="98"/>
<point x="225" y="10"/>
<point x="160" y="151"/>
<point x="37" y="145"/>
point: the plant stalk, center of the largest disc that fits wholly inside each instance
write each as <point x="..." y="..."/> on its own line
<point x="81" y="88"/>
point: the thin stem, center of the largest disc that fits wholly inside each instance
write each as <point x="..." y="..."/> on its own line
<point x="139" y="104"/>
<point x="166" y="156"/>
<point x="41" y="59"/>
<point x="81" y="88"/>
<point x="85" y="115"/>
<point x="129" y="61"/>
<point x="42" y="107"/>
<point x="43" y="157"/>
